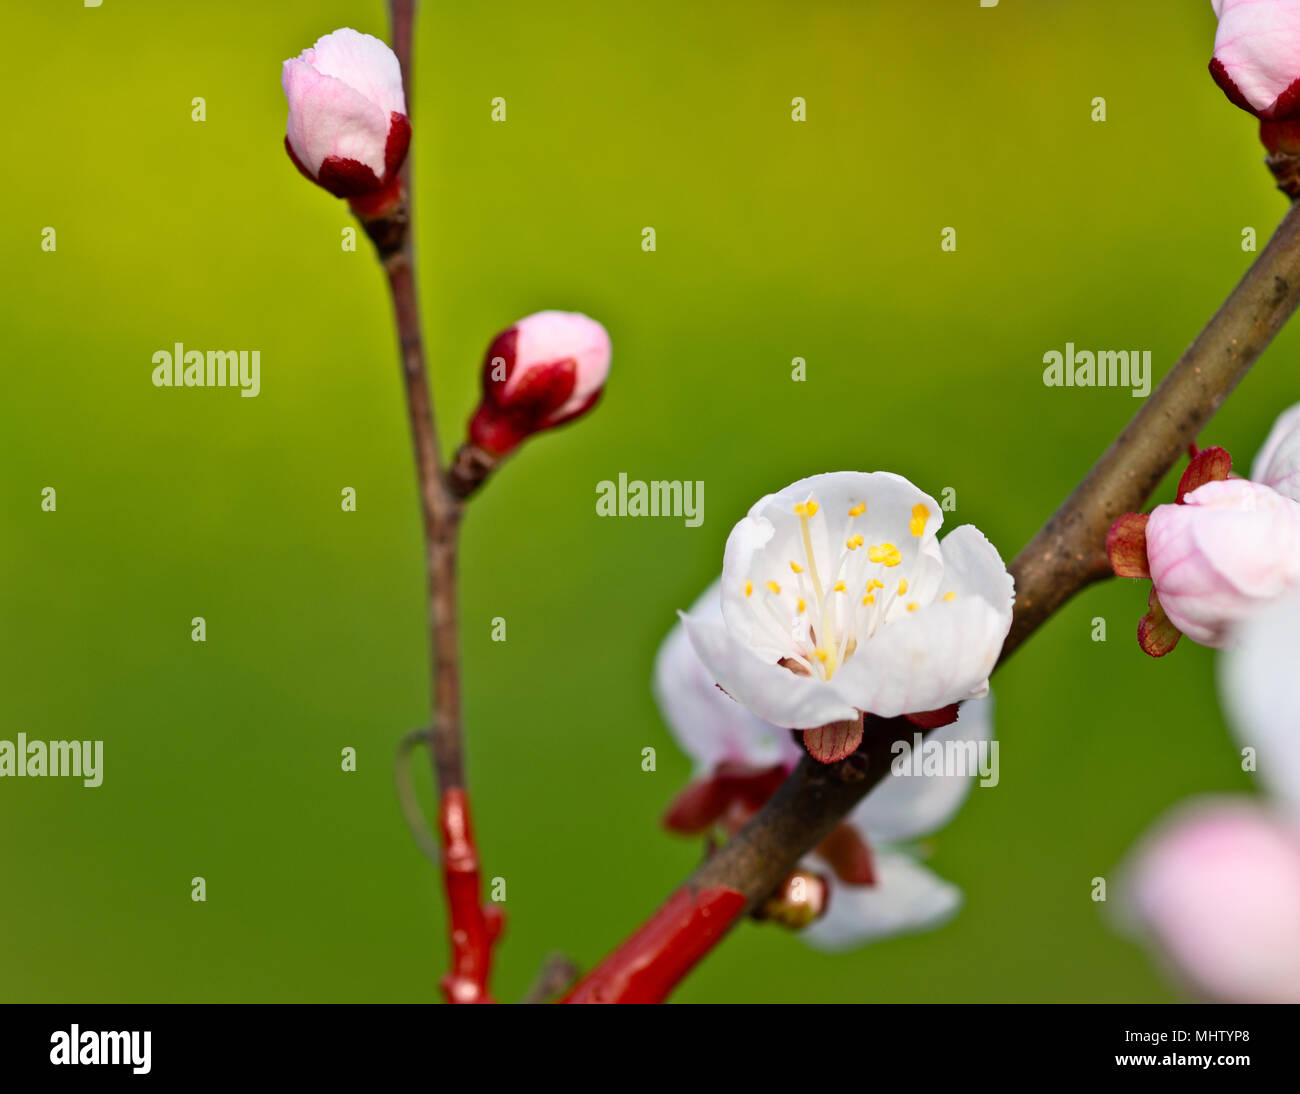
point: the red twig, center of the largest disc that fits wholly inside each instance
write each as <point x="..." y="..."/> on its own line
<point x="646" y="967"/>
<point x="474" y="926"/>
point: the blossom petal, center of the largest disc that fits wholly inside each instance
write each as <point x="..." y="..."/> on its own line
<point x="1228" y="549"/>
<point x="1278" y="462"/>
<point x="769" y="690"/>
<point x="1259" y="688"/>
<point x="761" y="546"/>
<point x="1216" y="887"/>
<point x="906" y="897"/>
<point x="364" y="63"/>
<point x="1257" y="51"/>
<point x="943" y="652"/>
<point x="549" y="336"/>
<point x="709" y="725"/>
<point x="906" y="807"/>
<point x="329" y="118"/>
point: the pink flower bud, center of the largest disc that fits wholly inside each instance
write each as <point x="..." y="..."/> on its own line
<point x="545" y="370"/>
<point x="1278" y="462"/>
<point x="1226" y="550"/>
<point x="1217" y="888"/>
<point x="802" y="898"/>
<point x="348" y="129"/>
<point x="1257" y="56"/>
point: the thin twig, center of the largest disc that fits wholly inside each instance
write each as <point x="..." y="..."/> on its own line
<point x="557" y="972"/>
<point x="406" y="798"/>
<point x="1066" y="555"/>
<point x="442" y="514"/>
<point x="473" y="928"/>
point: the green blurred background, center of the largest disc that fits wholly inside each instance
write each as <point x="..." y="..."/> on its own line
<point x="775" y="240"/>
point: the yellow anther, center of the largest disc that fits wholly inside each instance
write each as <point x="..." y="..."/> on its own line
<point x="802" y="605"/>
<point x="884" y="552"/>
<point x="913" y="606"/>
<point x="821" y="655"/>
<point x="854" y="542"/>
<point x="920" y="514"/>
<point x="902" y="586"/>
<point x="874" y="584"/>
<point x="749" y="588"/>
<point x="796" y="567"/>
<point x="806" y="508"/>
<point x="839" y="587"/>
<point x="949" y="596"/>
<point x="773" y="587"/>
<point x="868" y="599"/>
<point x="858" y="509"/>
<point x="812" y="507"/>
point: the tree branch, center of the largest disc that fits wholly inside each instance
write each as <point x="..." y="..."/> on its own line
<point x="1066" y="555"/>
<point x="473" y="927"/>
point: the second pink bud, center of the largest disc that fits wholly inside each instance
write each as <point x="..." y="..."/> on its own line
<point x="546" y="369"/>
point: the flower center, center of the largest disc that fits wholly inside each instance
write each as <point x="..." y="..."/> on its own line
<point x="825" y="610"/>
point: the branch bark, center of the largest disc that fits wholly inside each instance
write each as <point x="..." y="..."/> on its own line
<point x="1066" y="555"/>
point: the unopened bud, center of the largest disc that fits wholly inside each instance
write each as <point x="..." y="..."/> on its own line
<point x="545" y="370"/>
<point x="348" y="130"/>
<point x="802" y="898"/>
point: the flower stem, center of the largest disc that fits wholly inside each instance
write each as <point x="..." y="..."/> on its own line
<point x="1066" y="555"/>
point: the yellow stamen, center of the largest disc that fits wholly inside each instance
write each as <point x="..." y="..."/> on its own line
<point x="802" y="605"/>
<point x="902" y="586"/>
<point x="773" y="587"/>
<point x="920" y="514"/>
<point x="840" y="587"/>
<point x="826" y="658"/>
<point x="796" y="567"/>
<point x="858" y="509"/>
<point x="949" y="596"/>
<point x="874" y="584"/>
<point x="884" y="552"/>
<point x="868" y="599"/>
<point x="854" y="542"/>
<point x="803" y="511"/>
<point x="913" y="606"/>
<point x="749" y="588"/>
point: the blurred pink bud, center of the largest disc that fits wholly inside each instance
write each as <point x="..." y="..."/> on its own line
<point x="1226" y="550"/>
<point x="1217" y="888"/>
<point x="348" y="129"/>
<point x="545" y="370"/>
<point x="802" y="898"/>
<point x="1278" y="462"/>
<point x="1257" y="56"/>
